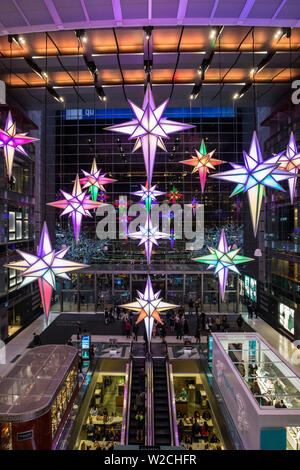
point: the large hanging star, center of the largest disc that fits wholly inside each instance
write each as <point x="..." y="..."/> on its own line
<point x="194" y="204"/>
<point x="290" y="161"/>
<point x="254" y="176"/>
<point x="11" y="142"/>
<point x="148" y="195"/>
<point x="149" y="306"/>
<point x="149" y="128"/>
<point x="149" y="236"/>
<point x="174" y="195"/>
<point x="76" y="205"/>
<point x="95" y="180"/>
<point x="223" y="259"/>
<point x="44" y="267"/>
<point x="203" y="162"/>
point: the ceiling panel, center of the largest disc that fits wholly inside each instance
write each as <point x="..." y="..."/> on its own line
<point x="264" y="9"/>
<point x="133" y="9"/>
<point x="164" y="8"/>
<point x="97" y="11"/>
<point x="69" y="10"/>
<point x="10" y="16"/>
<point x="229" y="9"/>
<point x="196" y="9"/>
<point x="36" y="11"/>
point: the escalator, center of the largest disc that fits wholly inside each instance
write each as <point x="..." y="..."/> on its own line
<point x="137" y="364"/>
<point x="162" y="429"/>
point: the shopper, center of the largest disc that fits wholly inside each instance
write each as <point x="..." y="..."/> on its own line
<point x="140" y="401"/>
<point x="135" y="331"/>
<point x="140" y="420"/>
<point x="163" y="332"/>
<point x="106" y="316"/>
<point x="196" y="429"/>
<point x="36" y="340"/>
<point x="239" y="322"/>
<point x="127" y="329"/>
<point x="186" y="329"/>
<point x="179" y="329"/>
<point x="203" y="320"/>
<point x="218" y="322"/>
<point x="198" y="335"/>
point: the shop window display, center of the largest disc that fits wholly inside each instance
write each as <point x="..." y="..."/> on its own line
<point x="286" y="317"/>
<point x="271" y="382"/>
<point x="63" y="398"/>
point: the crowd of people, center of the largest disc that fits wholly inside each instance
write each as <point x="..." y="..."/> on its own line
<point x="175" y="322"/>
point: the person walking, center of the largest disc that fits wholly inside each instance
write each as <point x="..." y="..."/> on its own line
<point x="135" y="330"/>
<point x="186" y="329"/>
<point x="127" y="329"/>
<point x="203" y="320"/>
<point x="163" y="332"/>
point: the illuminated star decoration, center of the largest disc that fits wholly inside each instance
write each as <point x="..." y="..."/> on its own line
<point x="44" y="267"/>
<point x="290" y="161"/>
<point x="194" y="205"/>
<point x="203" y="162"/>
<point x="149" y="128"/>
<point x="254" y="176"/>
<point x="172" y="237"/>
<point x="102" y="196"/>
<point x="95" y="180"/>
<point x="11" y="142"/>
<point x="222" y="259"/>
<point x="149" y="306"/>
<point x="76" y="205"/>
<point x="149" y="236"/>
<point x="174" y="195"/>
<point x="148" y="195"/>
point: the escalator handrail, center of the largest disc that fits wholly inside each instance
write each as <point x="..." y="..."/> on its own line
<point x="125" y="405"/>
<point x="172" y="405"/>
<point x="128" y="404"/>
<point x="149" y="409"/>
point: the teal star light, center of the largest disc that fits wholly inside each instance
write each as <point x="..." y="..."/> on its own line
<point x="254" y="177"/>
<point x="223" y="259"/>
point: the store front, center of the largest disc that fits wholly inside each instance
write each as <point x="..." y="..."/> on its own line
<point x="101" y="425"/>
<point x="196" y="423"/>
<point x="36" y="397"/>
<point x="261" y="390"/>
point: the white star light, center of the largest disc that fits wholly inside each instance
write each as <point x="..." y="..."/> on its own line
<point x="149" y="306"/>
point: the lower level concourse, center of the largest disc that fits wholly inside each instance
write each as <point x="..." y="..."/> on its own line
<point x="118" y="391"/>
<point x="149" y="230"/>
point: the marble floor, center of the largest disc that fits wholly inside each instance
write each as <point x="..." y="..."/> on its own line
<point x="20" y="343"/>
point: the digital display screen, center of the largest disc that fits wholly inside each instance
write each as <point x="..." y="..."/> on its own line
<point x="251" y="288"/>
<point x="85" y="342"/>
<point x="287" y="317"/>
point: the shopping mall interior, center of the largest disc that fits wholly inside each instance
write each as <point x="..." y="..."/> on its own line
<point x="149" y="229"/>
